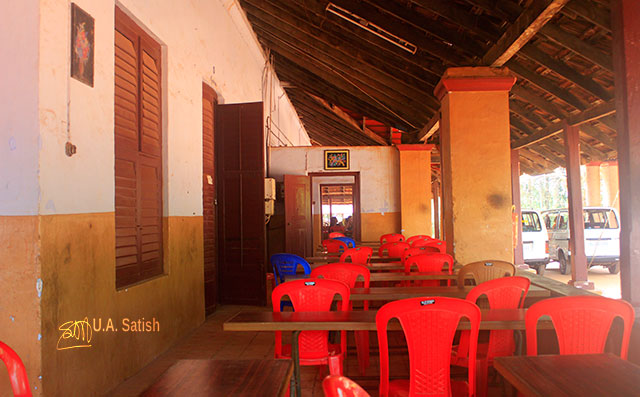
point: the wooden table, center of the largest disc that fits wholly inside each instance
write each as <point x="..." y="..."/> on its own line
<point x="397" y="293"/>
<point x="353" y="321"/>
<point x="323" y="259"/>
<point x="571" y="375"/>
<point x="224" y="378"/>
<point x="396" y="276"/>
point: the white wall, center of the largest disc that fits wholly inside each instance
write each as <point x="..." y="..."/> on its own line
<point x="37" y="120"/>
<point x="379" y="169"/>
<point x="19" y="188"/>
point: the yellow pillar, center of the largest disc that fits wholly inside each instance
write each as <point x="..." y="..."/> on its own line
<point x="594" y="198"/>
<point x="611" y="179"/>
<point x="476" y="166"/>
<point x="415" y="189"/>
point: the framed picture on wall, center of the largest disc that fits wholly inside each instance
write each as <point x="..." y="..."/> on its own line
<point x="82" y="45"/>
<point x="336" y="159"/>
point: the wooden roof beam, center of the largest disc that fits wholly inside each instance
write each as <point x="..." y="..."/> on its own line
<point x="590" y="114"/>
<point x="522" y="30"/>
<point x="588" y="10"/>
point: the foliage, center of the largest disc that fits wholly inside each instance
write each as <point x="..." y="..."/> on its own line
<point x="543" y="192"/>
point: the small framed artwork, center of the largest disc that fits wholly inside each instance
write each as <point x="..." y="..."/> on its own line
<point x="82" y="45"/>
<point x="336" y="159"/>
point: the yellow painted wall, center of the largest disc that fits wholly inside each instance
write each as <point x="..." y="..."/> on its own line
<point x="19" y="301"/>
<point x="376" y="224"/>
<point x="415" y="190"/>
<point x="477" y="175"/>
<point x="78" y="257"/>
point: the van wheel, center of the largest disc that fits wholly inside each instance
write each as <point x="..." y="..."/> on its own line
<point x="541" y="268"/>
<point x="615" y="268"/>
<point x="565" y="267"/>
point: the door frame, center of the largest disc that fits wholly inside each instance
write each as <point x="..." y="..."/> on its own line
<point x="352" y="199"/>
<point x="207" y="89"/>
<point x="356" y="198"/>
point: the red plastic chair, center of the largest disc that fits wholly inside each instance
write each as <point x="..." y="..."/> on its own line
<point x="393" y="250"/>
<point x="429" y="325"/>
<point x="336" y="234"/>
<point x="358" y="255"/>
<point x="417" y="251"/>
<point x="431" y="263"/>
<point x="313" y="295"/>
<point x="582" y="323"/>
<point x="501" y="293"/>
<point x="334" y="246"/>
<point x="418" y="237"/>
<point x="17" y="372"/>
<point x="348" y="274"/>
<point x="391" y="238"/>
<point x="341" y="386"/>
<point x="441" y="245"/>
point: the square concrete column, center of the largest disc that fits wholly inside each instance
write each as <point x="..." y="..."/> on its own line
<point x="594" y="197"/>
<point x="476" y="160"/>
<point x="610" y="169"/>
<point x="415" y="189"/>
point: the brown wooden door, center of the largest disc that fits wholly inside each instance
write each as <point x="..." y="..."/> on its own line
<point x="208" y="200"/>
<point x="241" y="223"/>
<point x="297" y="204"/>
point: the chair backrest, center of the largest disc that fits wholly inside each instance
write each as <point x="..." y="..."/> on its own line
<point x="335" y="234"/>
<point x="344" y="272"/>
<point x="501" y="293"/>
<point x="287" y="265"/>
<point x="430" y="262"/>
<point x="582" y="323"/>
<point x="351" y="243"/>
<point x="429" y="325"/>
<point x="333" y="246"/>
<point x="441" y="245"/>
<point x="358" y="255"/>
<point x="393" y="250"/>
<point x="17" y="372"/>
<point x="417" y="251"/>
<point x="391" y="238"/>
<point x="418" y="237"/>
<point x="482" y="271"/>
<point x="341" y="386"/>
<point x="310" y="295"/>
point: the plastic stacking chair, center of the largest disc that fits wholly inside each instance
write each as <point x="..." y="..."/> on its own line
<point x="395" y="249"/>
<point x="441" y="245"/>
<point x="501" y="293"/>
<point x="336" y="234"/>
<point x="341" y="386"/>
<point x="429" y="325"/>
<point x="418" y="237"/>
<point x="391" y="238"/>
<point x="287" y="265"/>
<point x="351" y="243"/>
<point x="358" y="255"/>
<point x="582" y="323"/>
<point x="482" y="271"/>
<point x="334" y="246"/>
<point x="429" y="262"/>
<point x="313" y="295"/>
<point x="348" y="273"/>
<point x="17" y="372"/>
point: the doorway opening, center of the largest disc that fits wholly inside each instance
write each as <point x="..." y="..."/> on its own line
<point x="337" y="209"/>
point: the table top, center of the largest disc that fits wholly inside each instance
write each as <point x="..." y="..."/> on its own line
<point x="223" y="378"/>
<point x="396" y="276"/>
<point x="322" y="259"/>
<point x="359" y="320"/>
<point x="571" y="375"/>
<point x="396" y="293"/>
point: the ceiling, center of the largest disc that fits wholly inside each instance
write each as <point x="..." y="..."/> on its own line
<point x="352" y="85"/>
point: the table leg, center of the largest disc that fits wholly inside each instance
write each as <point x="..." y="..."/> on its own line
<point x="295" y="356"/>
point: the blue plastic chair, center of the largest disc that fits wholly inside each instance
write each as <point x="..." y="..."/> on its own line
<point x="351" y="243"/>
<point x="287" y="265"/>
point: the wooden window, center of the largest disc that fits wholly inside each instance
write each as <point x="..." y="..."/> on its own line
<point x="138" y="153"/>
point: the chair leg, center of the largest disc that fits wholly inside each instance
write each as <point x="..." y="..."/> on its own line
<point x="335" y="364"/>
<point x="362" y="349"/>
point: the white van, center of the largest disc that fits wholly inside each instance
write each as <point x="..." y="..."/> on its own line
<point x="535" y="241"/>
<point x="601" y="235"/>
